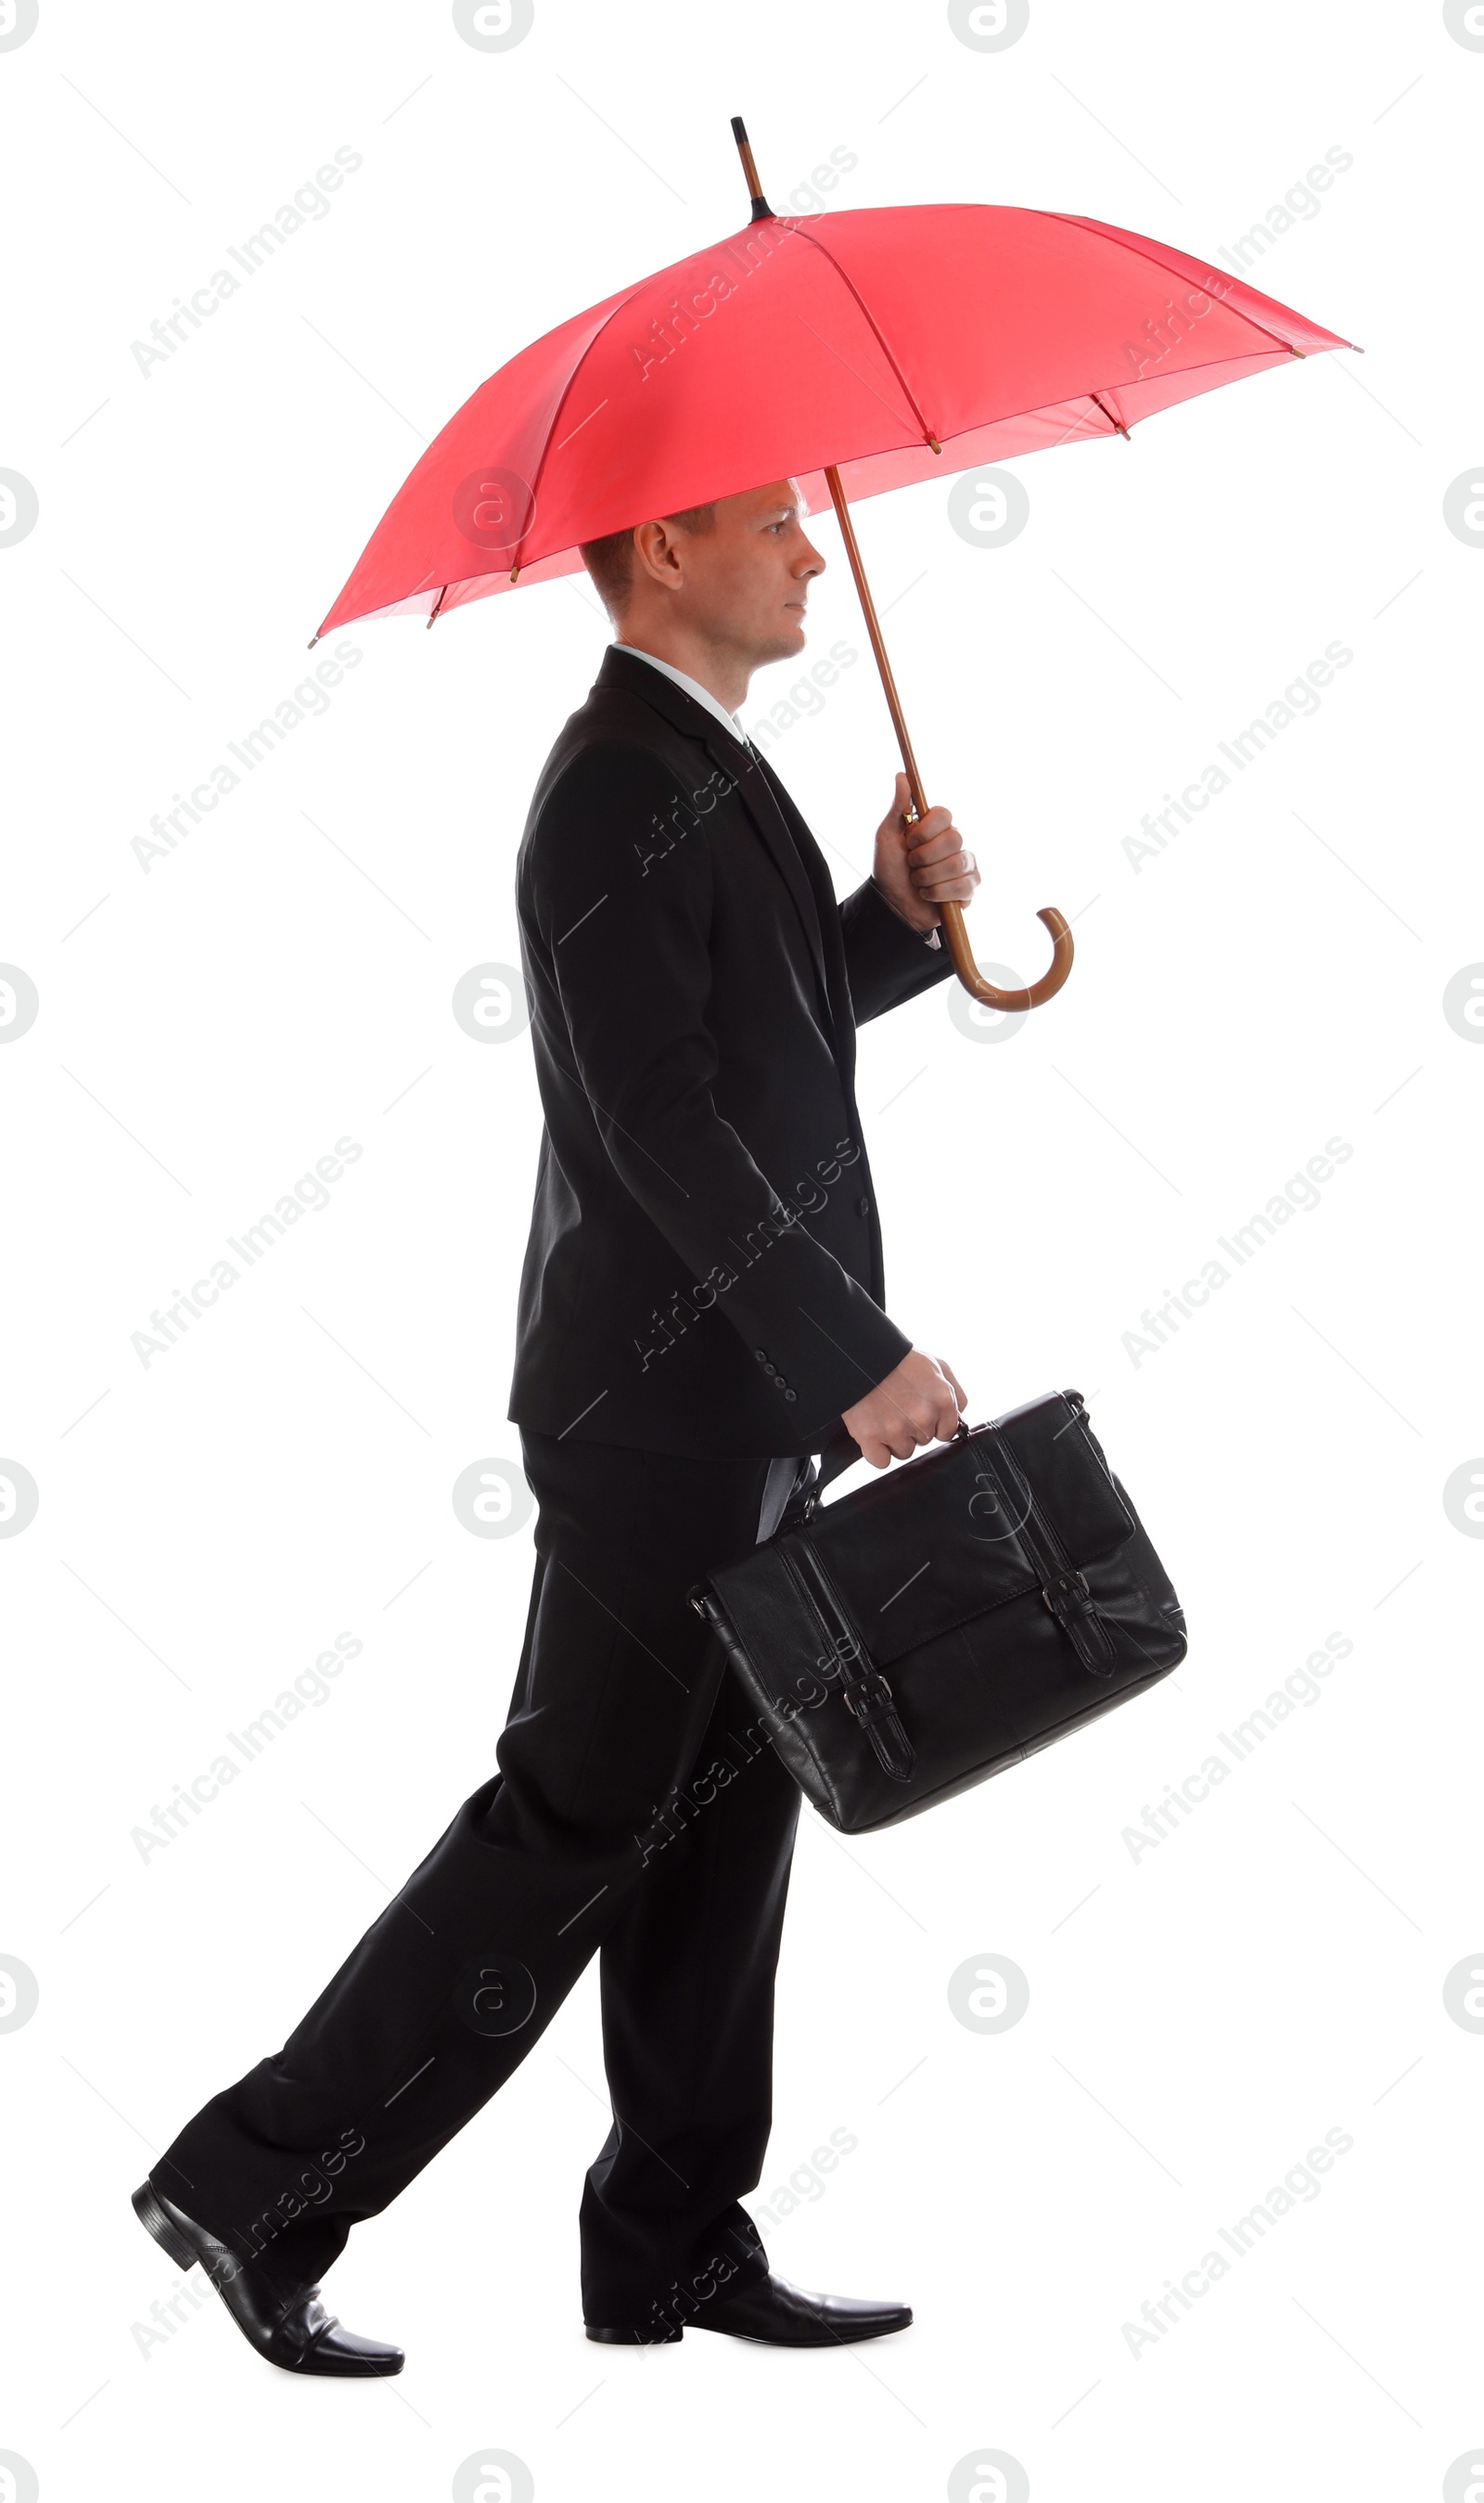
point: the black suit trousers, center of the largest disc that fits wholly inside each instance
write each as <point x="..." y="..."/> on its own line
<point x="637" y="1813"/>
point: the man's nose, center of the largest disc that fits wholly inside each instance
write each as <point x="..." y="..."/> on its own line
<point x="811" y="561"/>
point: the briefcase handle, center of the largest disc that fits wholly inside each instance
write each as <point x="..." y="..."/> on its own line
<point x="840" y="1453"/>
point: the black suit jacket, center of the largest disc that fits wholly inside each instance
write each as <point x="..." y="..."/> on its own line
<point x="703" y="1273"/>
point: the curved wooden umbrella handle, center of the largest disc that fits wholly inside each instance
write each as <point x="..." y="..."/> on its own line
<point x="954" y="930"/>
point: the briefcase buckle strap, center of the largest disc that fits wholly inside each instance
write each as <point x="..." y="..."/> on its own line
<point x="870" y="1703"/>
<point x="1072" y="1602"/>
<point x="864" y="1700"/>
<point x="863" y="1687"/>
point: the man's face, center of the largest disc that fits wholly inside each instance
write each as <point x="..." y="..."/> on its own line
<point x="743" y="585"/>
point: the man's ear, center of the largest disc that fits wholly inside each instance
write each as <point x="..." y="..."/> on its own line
<point x="662" y="548"/>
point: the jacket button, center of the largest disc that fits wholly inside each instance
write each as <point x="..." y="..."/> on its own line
<point x="790" y="1395"/>
<point x="863" y="1208"/>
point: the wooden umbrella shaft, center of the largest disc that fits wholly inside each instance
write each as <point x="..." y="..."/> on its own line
<point x="954" y="928"/>
<point x="878" y="645"/>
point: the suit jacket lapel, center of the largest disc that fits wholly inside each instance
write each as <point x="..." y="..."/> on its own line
<point x="762" y="805"/>
<point x="755" y="792"/>
<point x="826" y="915"/>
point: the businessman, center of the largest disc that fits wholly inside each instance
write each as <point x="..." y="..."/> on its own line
<point x="701" y="1308"/>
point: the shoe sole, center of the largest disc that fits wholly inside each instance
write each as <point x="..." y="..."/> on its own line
<point x="832" y="2337"/>
<point x="633" y="2337"/>
<point x="153" y="2217"/>
<point x="669" y="2336"/>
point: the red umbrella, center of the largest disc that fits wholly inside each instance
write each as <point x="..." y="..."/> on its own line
<point x="854" y="351"/>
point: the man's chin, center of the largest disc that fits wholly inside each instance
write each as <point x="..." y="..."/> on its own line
<point x="786" y="646"/>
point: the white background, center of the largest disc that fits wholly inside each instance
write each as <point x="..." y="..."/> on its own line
<point x="1199" y="2016"/>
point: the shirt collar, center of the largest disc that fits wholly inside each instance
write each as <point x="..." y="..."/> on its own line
<point x="728" y="720"/>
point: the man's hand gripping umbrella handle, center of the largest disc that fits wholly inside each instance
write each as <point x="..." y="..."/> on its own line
<point x="954" y="928"/>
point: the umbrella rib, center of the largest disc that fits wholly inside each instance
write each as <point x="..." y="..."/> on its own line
<point x="1088" y="227"/>
<point x="1046" y="407"/>
<point x="848" y="367"/>
<point x="870" y="317"/>
<point x="562" y="405"/>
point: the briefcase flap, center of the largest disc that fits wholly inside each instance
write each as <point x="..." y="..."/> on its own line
<point x="943" y="1539"/>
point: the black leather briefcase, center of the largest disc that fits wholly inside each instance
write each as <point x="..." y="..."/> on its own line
<point x="931" y="1628"/>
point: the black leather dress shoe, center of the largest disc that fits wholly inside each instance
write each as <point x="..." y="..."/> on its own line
<point x="777" y="2315"/>
<point x="298" y="2334"/>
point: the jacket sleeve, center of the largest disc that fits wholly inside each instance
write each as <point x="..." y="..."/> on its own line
<point x="886" y="960"/>
<point x="626" y="924"/>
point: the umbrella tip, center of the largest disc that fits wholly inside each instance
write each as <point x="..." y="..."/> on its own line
<point x="760" y="207"/>
<point x="313" y="640"/>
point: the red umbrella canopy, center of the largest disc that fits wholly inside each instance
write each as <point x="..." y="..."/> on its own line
<point x="894" y="344"/>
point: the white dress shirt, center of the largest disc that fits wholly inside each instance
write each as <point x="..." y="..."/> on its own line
<point x="692" y="686"/>
<point x="728" y="720"/>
